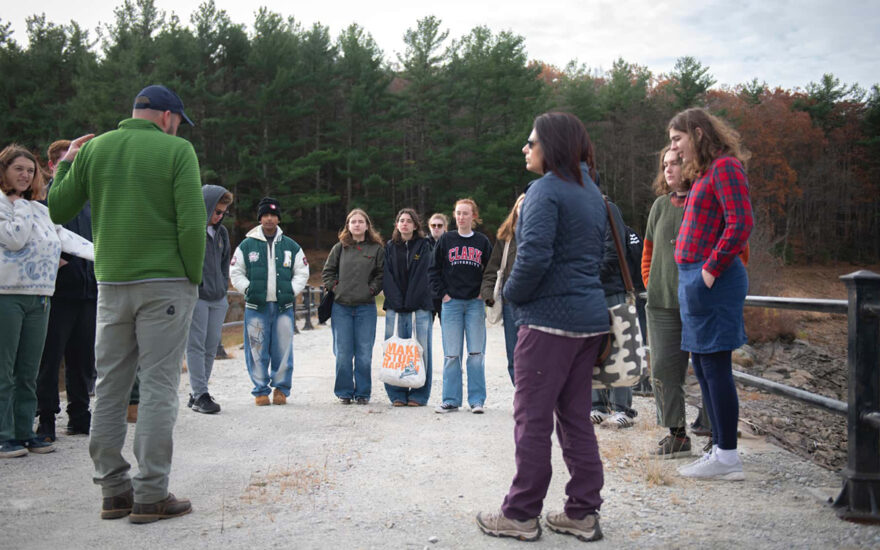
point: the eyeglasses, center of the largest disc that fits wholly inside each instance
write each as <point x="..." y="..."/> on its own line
<point x="219" y="212"/>
<point x="437" y="225"/>
<point x="531" y="143"/>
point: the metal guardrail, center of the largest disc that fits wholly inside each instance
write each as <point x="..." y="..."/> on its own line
<point x="859" y="499"/>
<point x="311" y="298"/>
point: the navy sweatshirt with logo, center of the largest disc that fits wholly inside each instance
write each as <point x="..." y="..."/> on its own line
<point x="458" y="265"/>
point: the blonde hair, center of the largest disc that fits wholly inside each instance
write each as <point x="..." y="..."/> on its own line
<point x="371" y="234"/>
<point x="716" y="139"/>
<point x="508" y="228"/>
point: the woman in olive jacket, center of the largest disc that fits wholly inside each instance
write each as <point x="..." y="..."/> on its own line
<point x="353" y="271"/>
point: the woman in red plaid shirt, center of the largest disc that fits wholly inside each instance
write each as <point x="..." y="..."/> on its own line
<point x="712" y="281"/>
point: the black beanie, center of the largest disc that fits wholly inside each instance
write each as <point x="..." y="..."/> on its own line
<point x="268" y="205"/>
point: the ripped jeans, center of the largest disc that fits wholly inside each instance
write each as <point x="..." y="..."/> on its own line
<point x="464" y="319"/>
<point x="268" y="343"/>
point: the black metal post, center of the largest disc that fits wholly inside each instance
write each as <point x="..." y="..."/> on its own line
<point x="307" y="303"/>
<point x="859" y="500"/>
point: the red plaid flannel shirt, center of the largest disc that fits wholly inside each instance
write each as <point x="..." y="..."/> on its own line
<point x="717" y="217"/>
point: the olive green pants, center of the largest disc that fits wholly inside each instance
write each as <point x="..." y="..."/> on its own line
<point x="142" y="330"/>
<point x="669" y="365"/>
<point x="25" y="319"/>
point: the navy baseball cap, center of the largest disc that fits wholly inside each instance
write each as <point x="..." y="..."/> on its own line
<point x="160" y="98"/>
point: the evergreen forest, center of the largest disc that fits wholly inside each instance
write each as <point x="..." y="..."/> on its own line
<point x="328" y="123"/>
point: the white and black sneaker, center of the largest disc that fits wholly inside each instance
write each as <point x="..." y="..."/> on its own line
<point x="206" y="404"/>
<point x="445" y="408"/>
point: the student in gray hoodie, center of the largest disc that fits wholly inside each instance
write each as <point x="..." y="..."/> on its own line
<point x="210" y="311"/>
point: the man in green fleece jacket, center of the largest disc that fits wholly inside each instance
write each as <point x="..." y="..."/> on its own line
<point x="148" y="227"/>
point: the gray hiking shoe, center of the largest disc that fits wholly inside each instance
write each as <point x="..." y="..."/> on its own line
<point x="586" y="529"/>
<point x="673" y="447"/>
<point x="496" y="525"/>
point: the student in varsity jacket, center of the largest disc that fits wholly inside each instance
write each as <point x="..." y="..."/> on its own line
<point x="460" y="258"/>
<point x="270" y="289"/>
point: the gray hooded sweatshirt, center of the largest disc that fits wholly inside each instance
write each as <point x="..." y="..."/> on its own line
<point x="215" y="273"/>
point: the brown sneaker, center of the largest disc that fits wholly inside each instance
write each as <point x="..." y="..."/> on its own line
<point x="118" y="506"/>
<point x="171" y="507"/>
<point x="132" y="415"/>
<point x="278" y="397"/>
<point x="586" y="529"/>
<point x="261" y="400"/>
<point x="496" y="525"/>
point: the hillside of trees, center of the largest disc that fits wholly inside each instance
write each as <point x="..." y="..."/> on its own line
<point x="326" y="124"/>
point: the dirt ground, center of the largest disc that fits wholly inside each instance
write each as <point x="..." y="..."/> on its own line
<point x="318" y="474"/>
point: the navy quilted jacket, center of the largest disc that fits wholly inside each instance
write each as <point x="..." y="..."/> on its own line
<point x="560" y="244"/>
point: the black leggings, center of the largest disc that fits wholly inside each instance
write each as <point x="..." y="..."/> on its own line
<point x="715" y="374"/>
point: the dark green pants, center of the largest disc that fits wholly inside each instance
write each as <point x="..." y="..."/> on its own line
<point x="25" y="320"/>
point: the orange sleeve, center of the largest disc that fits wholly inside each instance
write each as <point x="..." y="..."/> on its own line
<point x="744" y="256"/>
<point x="647" y="249"/>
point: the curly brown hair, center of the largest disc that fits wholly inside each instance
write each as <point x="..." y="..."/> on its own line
<point x="37" y="190"/>
<point x="371" y="236"/>
<point x="660" y="186"/>
<point x="710" y="137"/>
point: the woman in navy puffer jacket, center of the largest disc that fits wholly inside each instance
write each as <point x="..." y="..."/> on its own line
<point x="562" y="317"/>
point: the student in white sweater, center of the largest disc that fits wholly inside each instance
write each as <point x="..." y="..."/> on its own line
<point x="30" y="251"/>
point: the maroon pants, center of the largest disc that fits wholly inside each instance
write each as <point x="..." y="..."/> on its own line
<point x="554" y="374"/>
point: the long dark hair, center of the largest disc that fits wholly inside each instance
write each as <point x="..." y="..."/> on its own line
<point x="417" y="224"/>
<point x="565" y="144"/>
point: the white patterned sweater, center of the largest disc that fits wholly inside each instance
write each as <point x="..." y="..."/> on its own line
<point x="31" y="246"/>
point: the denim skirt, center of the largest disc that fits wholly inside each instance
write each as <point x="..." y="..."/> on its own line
<point x="712" y="318"/>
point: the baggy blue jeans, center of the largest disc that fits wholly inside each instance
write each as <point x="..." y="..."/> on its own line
<point x="464" y="319"/>
<point x="423" y="336"/>
<point x="354" y="331"/>
<point x="268" y="340"/>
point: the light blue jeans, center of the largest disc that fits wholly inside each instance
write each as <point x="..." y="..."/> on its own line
<point x="464" y="319"/>
<point x="509" y="336"/>
<point x="423" y="337"/>
<point x="354" y="331"/>
<point x="268" y="337"/>
<point x="201" y="346"/>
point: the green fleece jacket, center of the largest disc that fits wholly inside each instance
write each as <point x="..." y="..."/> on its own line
<point x="148" y="214"/>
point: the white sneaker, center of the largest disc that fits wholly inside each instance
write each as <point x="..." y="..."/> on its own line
<point x="477" y="409"/>
<point x="620" y="420"/>
<point x="712" y="468"/>
<point x="706" y="456"/>
<point x="445" y="408"/>
<point x="597" y="417"/>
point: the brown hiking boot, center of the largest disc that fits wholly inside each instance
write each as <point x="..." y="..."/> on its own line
<point x="118" y="506"/>
<point x="132" y="415"/>
<point x="261" y="400"/>
<point x="586" y="529"/>
<point x="171" y="507"/>
<point x="496" y="525"/>
<point x="278" y="397"/>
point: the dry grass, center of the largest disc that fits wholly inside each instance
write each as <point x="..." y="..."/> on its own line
<point x="274" y="484"/>
<point x="626" y="456"/>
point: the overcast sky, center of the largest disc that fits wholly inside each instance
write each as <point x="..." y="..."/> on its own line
<point x="786" y="43"/>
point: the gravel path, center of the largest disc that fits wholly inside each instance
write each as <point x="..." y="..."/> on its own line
<point x="317" y="474"/>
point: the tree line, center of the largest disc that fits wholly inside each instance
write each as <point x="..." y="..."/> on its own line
<point x="325" y="124"/>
